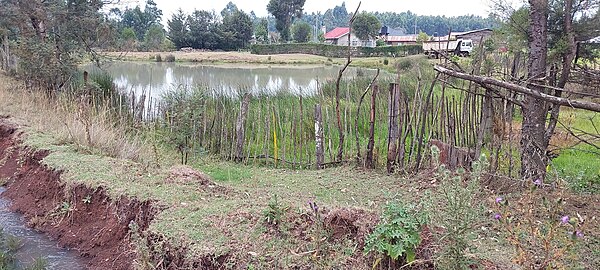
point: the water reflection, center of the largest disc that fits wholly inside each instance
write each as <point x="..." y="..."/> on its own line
<point x="158" y="78"/>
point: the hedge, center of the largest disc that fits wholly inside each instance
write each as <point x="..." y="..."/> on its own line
<point x="329" y="50"/>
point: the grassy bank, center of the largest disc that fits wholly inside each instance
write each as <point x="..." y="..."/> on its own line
<point x="210" y="219"/>
<point x="229" y="216"/>
<point x="248" y="58"/>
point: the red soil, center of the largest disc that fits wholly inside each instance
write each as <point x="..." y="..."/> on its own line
<point x="98" y="229"/>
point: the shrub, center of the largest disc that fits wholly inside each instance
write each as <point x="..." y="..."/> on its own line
<point x="158" y="58"/>
<point x="386" y="61"/>
<point x="536" y="224"/>
<point x="457" y="213"/>
<point x="170" y="58"/>
<point x="274" y="212"/>
<point x="398" y="234"/>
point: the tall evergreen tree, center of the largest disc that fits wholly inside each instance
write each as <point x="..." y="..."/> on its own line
<point x="284" y="12"/>
<point x="178" y="29"/>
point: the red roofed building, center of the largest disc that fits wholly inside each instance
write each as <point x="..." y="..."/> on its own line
<point x="339" y="36"/>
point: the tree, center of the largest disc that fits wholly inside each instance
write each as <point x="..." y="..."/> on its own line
<point x="140" y="20"/>
<point x="301" y="32"/>
<point x="261" y="31"/>
<point x="284" y="12"/>
<point x="423" y="37"/>
<point x="154" y="38"/>
<point x="128" y="35"/>
<point x="236" y="30"/>
<point x="49" y="37"/>
<point x="366" y="26"/>
<point x="204" y="31"/>
<point x="229" y="9"/>
<point x="178" y="29"/>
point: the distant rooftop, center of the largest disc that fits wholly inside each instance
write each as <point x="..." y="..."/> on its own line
<point x="403" y="38"/>
<point x="337" y="33"/>
<point x="388" y="31"/>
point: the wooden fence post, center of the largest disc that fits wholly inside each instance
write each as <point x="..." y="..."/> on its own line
<point x="240" y="129"/>
<point x="319" y="136"/>
<point x="393" y="132"/>
<point x="369" y="163"/>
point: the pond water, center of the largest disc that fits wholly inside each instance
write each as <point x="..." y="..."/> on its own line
<point x="35" y="245"/>
<point x="231" y="79"/>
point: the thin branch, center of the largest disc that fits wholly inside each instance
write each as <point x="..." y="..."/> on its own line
<point x="358" y="115"/>
<point x="579" y="104"/>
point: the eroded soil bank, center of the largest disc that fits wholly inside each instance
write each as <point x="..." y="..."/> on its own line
<point x="77" y="217"/>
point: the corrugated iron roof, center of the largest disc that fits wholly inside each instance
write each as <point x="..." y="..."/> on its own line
<point x="407" y="38"/>
<point x="337" y="33"/>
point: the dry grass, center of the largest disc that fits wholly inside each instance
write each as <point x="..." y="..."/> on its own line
<point x="222" y="57"/>
<point x="89" y="129"/>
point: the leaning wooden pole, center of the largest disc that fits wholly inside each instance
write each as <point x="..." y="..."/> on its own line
<point x="369" y="163"/>
<point x="240" y="129"/>
<point x="393" y="132"/>
<point x="356" y="132"/>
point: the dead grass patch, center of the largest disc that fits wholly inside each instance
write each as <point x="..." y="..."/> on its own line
<point x="91" y="129"/>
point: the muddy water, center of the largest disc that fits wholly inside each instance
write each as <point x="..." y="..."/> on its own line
<point x="35" y="245"/>
<point x="155" y="79"/>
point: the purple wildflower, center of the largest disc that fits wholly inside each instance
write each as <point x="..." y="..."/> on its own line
<point x="497" y="216"/>
<point x="499" y="200"/>
<point x="313" y="206"/>
<point x="565" y="220"/>
<point x="538" y="182"/>
<point x="579" y="234"/>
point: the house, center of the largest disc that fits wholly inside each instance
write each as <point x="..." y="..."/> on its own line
<point x="339" y="36"/>
<point x="396" y="37"/>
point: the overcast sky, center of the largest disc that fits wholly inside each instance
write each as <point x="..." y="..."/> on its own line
<point x="421" y="7"/>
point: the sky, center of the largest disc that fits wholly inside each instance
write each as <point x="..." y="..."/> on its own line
<point x="420" y="7"/>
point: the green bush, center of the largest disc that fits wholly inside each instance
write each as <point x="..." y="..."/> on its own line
<point x="458" y="212"/>
<point x="170" y="58"/>
<point x="275" y="211"/>
<point x="398" y="233"/>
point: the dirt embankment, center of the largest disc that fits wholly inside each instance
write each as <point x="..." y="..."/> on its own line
<point x="78" y="217"/>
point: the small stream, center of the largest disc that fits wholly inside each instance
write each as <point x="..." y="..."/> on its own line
<point x="35" y="245"/>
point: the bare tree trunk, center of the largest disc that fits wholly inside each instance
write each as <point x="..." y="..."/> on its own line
<point x="319" y="137"/>
<point x="533" y="150"/>
<point x="371" y="145"/>
<point x="240" y="129"/>
<point x="340" y="152"/>
<point x="393" y="132"/>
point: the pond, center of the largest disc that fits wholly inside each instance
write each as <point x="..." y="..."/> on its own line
<point x="157" y="78"/>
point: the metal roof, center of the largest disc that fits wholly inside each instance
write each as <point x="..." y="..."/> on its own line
<point x="337" y="33"/>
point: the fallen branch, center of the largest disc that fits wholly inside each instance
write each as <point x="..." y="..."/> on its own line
<point x="579" y="104"/>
